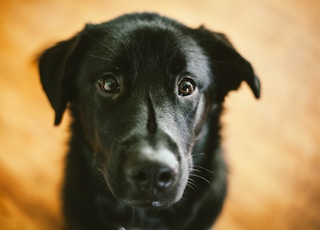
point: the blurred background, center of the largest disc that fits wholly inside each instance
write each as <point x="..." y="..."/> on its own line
<point x="272" y="144"/>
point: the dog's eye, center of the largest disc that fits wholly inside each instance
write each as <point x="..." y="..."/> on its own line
<point x="109" y="83"/>
<point x="186" y="87"/>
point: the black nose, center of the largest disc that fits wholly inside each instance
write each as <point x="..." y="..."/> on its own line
<point x="151" y="176"/>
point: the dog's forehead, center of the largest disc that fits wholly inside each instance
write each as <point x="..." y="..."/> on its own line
<point x="144" y="46"/>
<point x="146" y="41"/>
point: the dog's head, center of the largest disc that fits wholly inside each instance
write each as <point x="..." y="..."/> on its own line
<point x="141" y="88"/>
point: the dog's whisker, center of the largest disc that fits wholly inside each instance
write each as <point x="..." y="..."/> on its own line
<point x="122" y="40"/>
<point x="192" y="184"/>
<point x="97" y="180"/>
<point x="218" y="61"/>
<point x="201" y="177"/>
<point x="133" y="212"/>
<point x="195" y="170"/>
<point x="94" y="56"/>
<point x="102" y="44"/>
<point x="205" y="169"/>
<point x="196" y="154"/>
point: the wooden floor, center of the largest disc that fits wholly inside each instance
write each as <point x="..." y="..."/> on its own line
<point x="272" y="145"/>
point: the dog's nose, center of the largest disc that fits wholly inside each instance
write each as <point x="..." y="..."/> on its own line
<point x="151" y="176"/>
<point x="150" y="169"/>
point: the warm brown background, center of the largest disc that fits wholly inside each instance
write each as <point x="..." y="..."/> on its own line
<point x="272" y="145"/>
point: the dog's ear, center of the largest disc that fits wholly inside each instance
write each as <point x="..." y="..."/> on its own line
<point x="229" y="67"/>
<point x="52" y="67"/>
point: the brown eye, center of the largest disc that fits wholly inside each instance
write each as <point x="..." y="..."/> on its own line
<point x="186" y="87"/>
<point x="109" y="83"/>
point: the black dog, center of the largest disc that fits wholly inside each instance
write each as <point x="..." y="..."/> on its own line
<point x="146" y="94"/>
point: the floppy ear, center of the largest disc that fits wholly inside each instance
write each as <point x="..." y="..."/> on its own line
<point x="229" y="67"/>
<point x="52" y="67"/>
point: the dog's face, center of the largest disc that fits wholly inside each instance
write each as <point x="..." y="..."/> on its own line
<point x="142" y="87"/>
<point x="141" y="105"/>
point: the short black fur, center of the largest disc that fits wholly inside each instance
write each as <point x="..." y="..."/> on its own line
<point x="143" y="156"/>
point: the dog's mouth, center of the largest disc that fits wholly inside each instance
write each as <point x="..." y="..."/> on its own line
<point x="151" y="198"/>
<point x="148" y="204"/>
